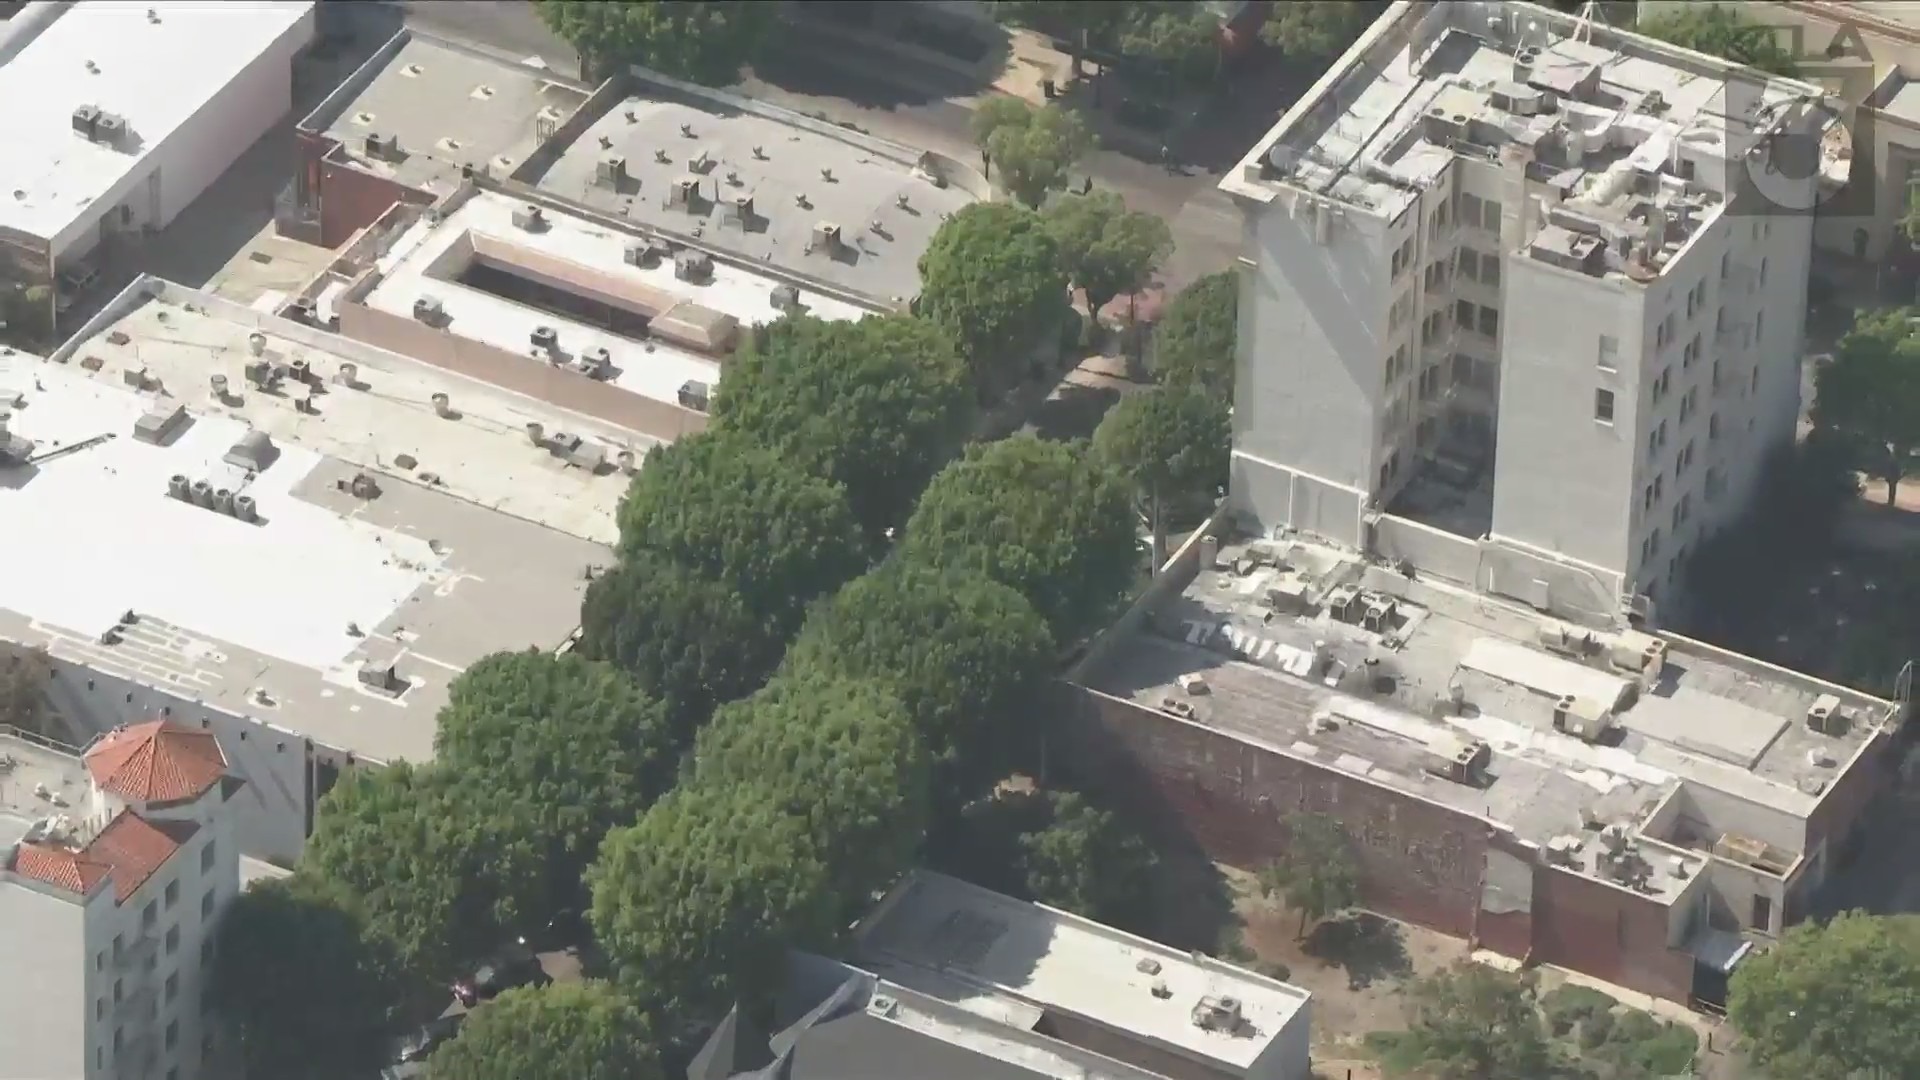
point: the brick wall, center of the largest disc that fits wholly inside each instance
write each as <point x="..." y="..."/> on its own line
<point x="349" y="199"/>
<point x="1609" y="933"/>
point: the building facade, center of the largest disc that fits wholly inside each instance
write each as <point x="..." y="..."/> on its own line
<point x="1517" y="277"/>
<point x="118" y="865"/>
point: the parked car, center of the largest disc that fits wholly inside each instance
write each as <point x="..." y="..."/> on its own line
<point x="408" y="1059"/>
<point x="513" y="966"/>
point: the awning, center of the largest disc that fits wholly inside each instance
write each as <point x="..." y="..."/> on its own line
<point x="1721" y="950"/>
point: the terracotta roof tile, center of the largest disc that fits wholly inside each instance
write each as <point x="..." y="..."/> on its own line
<point x="158" y="761"/>
<point x="60" y="867"/>
<point x="134" y="849"/>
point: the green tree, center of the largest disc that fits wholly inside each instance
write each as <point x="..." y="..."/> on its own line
<point x="992" y="278"/>
<point x="1174" y="444"/>
<point x="1107" y="249"/>
<point x="574" y="745"/>
<point x="703" y="42"/>
<point x="1471" y="1023"/>
<point x="1833" y="1001"/>
<point x="1870" y="392"/>
<point x="1723" y="31"/>
<point x="841" y="754"/>
<point x="566" y="1031"/>
<point x="1181" y="38"/>
<point x="688" y="640"/>
<point x="1194" y="341"/>
<point x="963" y="653"/>
<point x="23" y="691"/>
<point x="876" y="406"/>
<point x="1316" y="873"/>
<point x="441" y="868"/>
<point x="1033" y="149"/>
<point x="1083" y="24"/>
<point x="1318" y="29"/>
<point x="1038" y="517"/>
<point x="697" y="902"/>
<point x="1055" y="847"/>
<point x="733" y="511"/>
<point x="307" y="989"/>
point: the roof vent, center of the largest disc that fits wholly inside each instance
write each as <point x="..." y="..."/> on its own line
<point x="1147" y="966"/>
<point x="84" y="119"/>
<point x="529" y="217"/>
<point x="610" y="171"/>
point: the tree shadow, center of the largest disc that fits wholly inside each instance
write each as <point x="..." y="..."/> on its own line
<point x="937" y="58"/>
<point x="1072" y="411"/>
<point x="1369" y="947"/>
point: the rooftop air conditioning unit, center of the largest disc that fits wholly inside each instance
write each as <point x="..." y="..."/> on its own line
<point x="428" y="310"/>
<point x="693" y="266"/>
<point x="108" y="129"/>
<point x="696" y="395"/>
<point x="1220" y="1013"/>
<point x="826" y="235"/>
<point x="784" y="297"/>
<point x="545" y="337"/>
<point x="686" y="191"/>
<point x="528" y="216"/>
<point x="611" y="171"/>
<point x="636" y="253"/>
<point x="1825" y="716"/>
<point x="595" y="362"/>
<point x="84" y="119"/>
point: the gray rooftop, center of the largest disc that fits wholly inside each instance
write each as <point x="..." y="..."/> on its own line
<point x="1614" y="122"/>
<point x="30" y="765"/>
<point x="1445" y="669"/>
<point x="447" y="104"/>
<point x="799" y="173"/>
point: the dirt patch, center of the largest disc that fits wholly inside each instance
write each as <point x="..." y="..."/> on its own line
<point x="1356" y="965"/>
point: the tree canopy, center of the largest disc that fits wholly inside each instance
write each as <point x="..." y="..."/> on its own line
<point x="1474" y="1023"/>
<point x="703" y="42"/>
<point x="734" y="511"/>
<point x="1038" y="517"/>
<point x="839" y="753"/>
<point x="992" y="278"/>
<point x="702" y="897"/>
<point x="1107" y="249"/>
<point x="1181" y="39"/>
<point x="1032" y="149"/>
<point x="1194" y="341"/>
<point x="1833" y="1001"/>
<point x="443" y="869"/>
<point x="1173" y="444"/>
<point x="1870" y="392"/>
<point x="1722" y="31"/>
<point x="688" y="640"/>
<point x="1316" y="873"/>
<point x="565" y="1031"/>
<point x="306" y="988"/>
<point x="876" y="406"/>
<point x="962" y="651"/>
<point x="574" y="745"/>
<point x="1058" y="848"/>
<point x="1318" y="29"/>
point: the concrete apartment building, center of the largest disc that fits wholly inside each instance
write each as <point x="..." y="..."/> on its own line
<point x="1867" y="54"/>
<point x="291" y="538"/>
<point x="968" y="984"/>
<point x="120" y="114"/>
<point x="526" y="294"/>
<point x="1635" y="806"/>
<point x="116" y="864"/>
<point x="1513" y="311"/>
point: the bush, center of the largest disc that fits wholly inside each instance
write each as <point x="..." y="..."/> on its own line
<point x="1568" y="1005"/>
<point x="1595" y="1030"/>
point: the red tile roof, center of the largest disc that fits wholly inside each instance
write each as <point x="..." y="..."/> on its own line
<point x="130" y="850"/>
<point x="158" y="761"/>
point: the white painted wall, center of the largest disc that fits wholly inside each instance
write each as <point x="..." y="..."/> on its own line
<point x="1286" y="1057"/>
<point x="43" y="998"/>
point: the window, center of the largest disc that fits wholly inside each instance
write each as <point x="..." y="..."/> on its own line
<point x="119" y="945"/>
<point x="1726" y="264"/>
<point x="1609" y="353"/>
<point x="172" y="894"/>
<point x="1490" y="215"/>
<point x="1713" y="427"/>
<point x="1763" y="271"/>
<point x="1462" y="369"/>
<point x="1470" y="264"/>
<point x="100" y="1008"/>
<point x="100" y="960"/>
<point x="1489" y="322"/>
<point x="1490" y="268"/>
<point x="1646" y="498"/>
<point x="119" y="987"/>
<point x="1759" y="326"/>
<point x="1603" y="405"/>
<point x="1463" y="313"/>
<point x="173" y="940"/>
<point x="206" y="951"/>
<point x="151" y="914"/>
<point x="1470" y="208"/>
<point x="119" y="1036"/>
<point x="206" y="904"/>
<point x="206" y="856"/>
<point x="173" y="1034"/>
<point x="1762" y="912"/>
<point x="173" y="987"/>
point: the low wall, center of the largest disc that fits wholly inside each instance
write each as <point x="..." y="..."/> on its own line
<point x="1180" y="568"/>
<point x="1433" y="551"/>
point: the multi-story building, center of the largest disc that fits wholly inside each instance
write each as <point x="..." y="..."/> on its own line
<point x="1531" y="281"/>
<point x="116" y="865"/>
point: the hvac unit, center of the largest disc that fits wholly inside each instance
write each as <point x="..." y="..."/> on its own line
<point x="826" y="236"/>
<point x="109" y="129"/>
<point x="545" y="338"/>
<point x="1343" y="604"/>
<point x="528" y="216"/>
<point x="1220" y="1013"/>
<point x="693" y="266"/>
<point x="1826" y="716"/>
<point x="595" y="362"/>
<point x="84" y="119"/>
<point x="610" y="171"/>
<point x="784" y="298"/>
<point x="696" y="395"/>
<point x="636" y="253"/>
<point x="686" y="192"/>
<point x="429" y="310"/>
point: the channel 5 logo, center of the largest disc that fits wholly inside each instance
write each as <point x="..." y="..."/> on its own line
<point x="1786" y="151"/>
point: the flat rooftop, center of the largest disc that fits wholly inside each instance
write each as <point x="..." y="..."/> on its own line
<point x="385" y="534"/>
<point x="29" y="767"/>
<point x="969" y="946"/>
<point x="1613" y="122"/>
<point x="434" y="259"/>
<point x="1415" y="671"/>
<point x="154" y="73"/>
<point x="446" y="105"/>
<point x="798" y="172"/>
